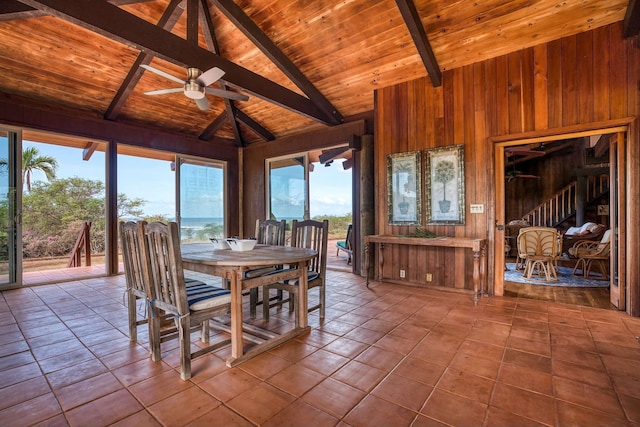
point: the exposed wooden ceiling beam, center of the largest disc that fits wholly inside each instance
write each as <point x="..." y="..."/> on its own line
<point x="419" y="35"/>
<point x="167" y="21"/>
<point x="214" y="126"/>
<point x="115" y="23"/>
<point x="632" y="19"/>
<point x="328" y="155"/>
<point x="28" y="113"/>
<point x="212" y="44"/>
<point x="10" y="9"/>
<point x="249" y="28"/>
<point x="192" y="21"/>
<point x="88" y="151"/>
<point x="254" y="126"/>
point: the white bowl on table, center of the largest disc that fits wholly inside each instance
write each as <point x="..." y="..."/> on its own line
<point x="242" y="244"/>
<point x="220" y="244"/>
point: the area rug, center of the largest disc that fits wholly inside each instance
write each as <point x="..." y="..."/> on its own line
<point x="565" y="278"/>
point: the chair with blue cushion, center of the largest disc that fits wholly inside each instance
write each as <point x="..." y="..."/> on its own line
<point x="191" y="306"/>
<point x="346" y="245"/>
<point x="308" y="234"/>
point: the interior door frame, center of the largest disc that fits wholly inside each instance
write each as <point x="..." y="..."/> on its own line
<point x="625" y="251"/>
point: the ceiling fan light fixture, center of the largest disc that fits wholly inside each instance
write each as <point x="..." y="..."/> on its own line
<point x="193" y="90"/>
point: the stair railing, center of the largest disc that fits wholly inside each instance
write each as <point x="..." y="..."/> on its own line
<point x="562" y="205"/>
<point x="83" y="243"/>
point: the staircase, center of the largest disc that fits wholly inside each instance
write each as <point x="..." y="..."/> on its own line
<point x="562" y="205"/>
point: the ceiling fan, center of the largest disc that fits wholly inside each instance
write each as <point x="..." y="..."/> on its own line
<point x="196" y="85"/>
<point x="513" y="174"/>
<point x="522" y="151"/>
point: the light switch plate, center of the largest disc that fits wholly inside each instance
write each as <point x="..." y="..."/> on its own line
<point x="477" y="208"/>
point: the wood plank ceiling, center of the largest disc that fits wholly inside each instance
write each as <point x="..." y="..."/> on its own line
<point x="304" y="64"/>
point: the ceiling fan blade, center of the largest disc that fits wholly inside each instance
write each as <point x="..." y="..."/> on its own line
<point x="162" y="73"/>
<point x="163" y="91"/>
<point x="227" y="94"/>
<point x="202" y="103"/>
<point x="523" y="152"/>
<point x="210" y="76"/>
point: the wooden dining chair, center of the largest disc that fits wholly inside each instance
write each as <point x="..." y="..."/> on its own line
<point x="192" y="306"/>
<point x="308" y="234"/>
<point x="137" y="286"/>
<point x="268" y="232"/>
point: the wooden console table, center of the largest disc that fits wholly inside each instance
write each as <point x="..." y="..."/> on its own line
<point x="478" y="246"/>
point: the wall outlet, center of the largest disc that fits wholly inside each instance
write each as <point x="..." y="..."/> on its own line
<point x="402" y="274"/>
<point x="429" y="277"/>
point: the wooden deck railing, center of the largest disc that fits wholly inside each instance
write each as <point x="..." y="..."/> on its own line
<point x="562" y="205"/>
<point x="83" y="243"/>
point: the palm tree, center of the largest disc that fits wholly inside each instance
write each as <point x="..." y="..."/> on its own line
<point x="33" y="161"/>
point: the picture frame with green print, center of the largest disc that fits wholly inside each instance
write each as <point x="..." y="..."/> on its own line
<point x="404" y="188"/>
<point x="444" y="185"/>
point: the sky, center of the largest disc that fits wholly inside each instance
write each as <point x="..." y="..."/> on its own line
<point x="330" y="187"/>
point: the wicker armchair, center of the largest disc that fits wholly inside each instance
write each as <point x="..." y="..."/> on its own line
<point x="592" y="253"/>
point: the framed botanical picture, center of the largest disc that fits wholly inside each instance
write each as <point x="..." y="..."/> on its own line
<point x="404" y="188"/>
<point x="445" y="185"/>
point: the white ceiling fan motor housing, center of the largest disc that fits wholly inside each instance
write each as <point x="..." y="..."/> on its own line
<point x="193" y="89"/>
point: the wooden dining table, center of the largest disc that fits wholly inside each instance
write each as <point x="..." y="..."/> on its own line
<point x="231" y="266"/>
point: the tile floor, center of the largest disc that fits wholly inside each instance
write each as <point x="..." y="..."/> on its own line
<point x="385" y="356"/>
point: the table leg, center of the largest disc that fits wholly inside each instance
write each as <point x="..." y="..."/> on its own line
<point x="483" y="271"/>
<point x="367" y="261"/>
<point x="380" y="268"/>
<point x="476" y="274"/>
<point x="236" y="316"/>
<point x="303" y="294"/>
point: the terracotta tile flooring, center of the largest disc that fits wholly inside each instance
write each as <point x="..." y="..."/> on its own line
<point x="385" y="356"/>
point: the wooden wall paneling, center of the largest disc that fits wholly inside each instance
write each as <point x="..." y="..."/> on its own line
<point x="554" y="83"/>
<point x="401" y="145"/>
<point x="448" y="107"/>
<point x="584" y="73"/>
<point x="439" y="124"/>
<point x="502" y="95"/>
<point x="528" y="92"/>
<point x="618" y="74"/>
<point x="570" y="72"/>
<point x="382" y="144"/>
<point x="480" y="143"/>
<point x="633" y="205"/>
<point x="515" y="109"/>
<point x="633" y="71"/>
<point x="601" y="74"/>
<point x="476" y="102"/>
<point x="416" y="106"/>
<point x="490" y="96"/>
<point x="470" y="148"/>
<point x="462" y="103"/>
<point x="541" y="100"/>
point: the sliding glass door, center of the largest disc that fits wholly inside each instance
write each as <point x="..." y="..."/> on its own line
<point x="288" y="189"/>
<point x="10" y="230"/>
<point x="201" y="199"/>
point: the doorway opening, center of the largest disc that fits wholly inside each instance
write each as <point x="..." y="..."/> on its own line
<point x="555" y="172"/>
